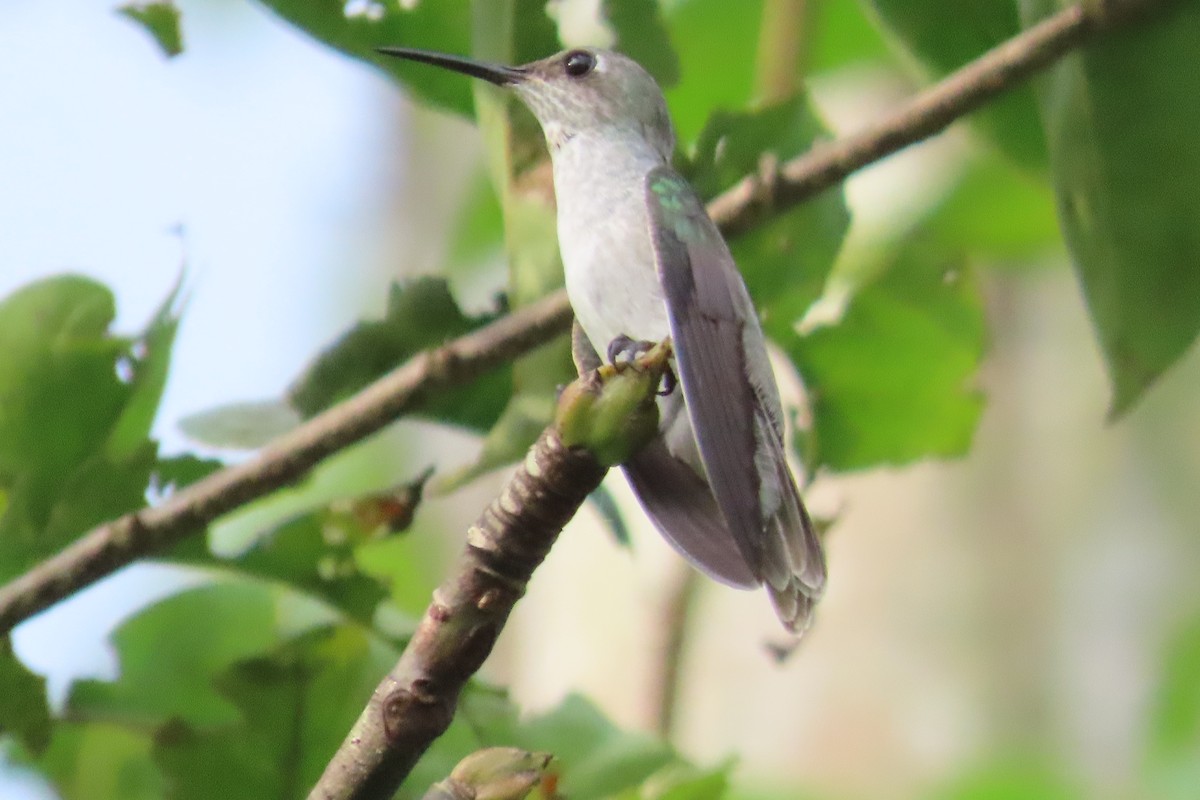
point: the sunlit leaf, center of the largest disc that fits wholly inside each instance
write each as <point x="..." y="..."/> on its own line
<point x="76" y="405"/>
<point x="1121" y="117"/>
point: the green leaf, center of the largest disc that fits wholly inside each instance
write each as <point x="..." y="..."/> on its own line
<point x="101" y="761"/>
<point x="1175" y="717"/>
<point x="312" y="553"/>
<point x="842" y="36"/>
<point x="705" y="33"/>
<point x="420" y="314"/>
<point x="295" y="705"/>
<point x="996" y="212"/>
<point x="356" y="28"/>
<point x="76" y="405"/>
<point x="245" y="425"/>
<point x="161" y="20"/>
<point x="23" y="709"/>
<point x="598" y="759"/>
<point x="170" y="652"/>
<point x="642" y="36"/>
<point x="893" y="380"/>
<point x="1120" y="118"/>
<point x="1012" y="779"/>
<point x="945" y="34"/>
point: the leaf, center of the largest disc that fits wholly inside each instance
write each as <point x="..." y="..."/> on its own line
<point x="1011" y="779"/>
<point x="597" y="758"/>
<point x="842" y="36"/>
<point x="996" y="212"/>
<point x="945" y="34"/>
<point x="161" y="20"/>
<point x="606" y="506"/>
<point x="357" y="27"/>
<point x="705" y="33"/>
<point x="1174" y="739"/>
<point x="420" y="314"/>
<point x="642" y="35"/>
<point x="312" y="553"/>
<point x="1120" y="118"/>
<point x="892" y="382"/>
<point x="170" y="652"/>
<point x="100" y="761"/>
<point x="241" y="426"/>
<point x="23" y="709"/>
<point x="76" y="405"/>
<point x="295" y="704"/>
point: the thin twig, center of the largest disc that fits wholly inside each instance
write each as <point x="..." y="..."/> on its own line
<point x="115" y="544"/>
<point x="747" y="204"/>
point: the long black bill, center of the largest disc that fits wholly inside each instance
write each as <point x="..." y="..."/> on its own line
<point x="495" y="73"/>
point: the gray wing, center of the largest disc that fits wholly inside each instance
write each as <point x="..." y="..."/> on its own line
<point x="675" y="497"/>
<point x="731" y="398"/>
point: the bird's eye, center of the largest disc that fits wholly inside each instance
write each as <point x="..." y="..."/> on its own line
<point x="579" y="63"/>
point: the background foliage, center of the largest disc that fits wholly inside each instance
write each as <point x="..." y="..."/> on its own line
<point x="243" y="685"/>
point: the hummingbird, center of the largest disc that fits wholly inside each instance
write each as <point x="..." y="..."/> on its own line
<point x="643" y="261"/>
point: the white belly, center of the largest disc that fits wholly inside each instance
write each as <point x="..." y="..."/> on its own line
<point x="611" y="276"/>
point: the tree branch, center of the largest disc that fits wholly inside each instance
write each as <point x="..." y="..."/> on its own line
<point x="106" y="548"/>
<point x="755" y="198"/>
<point x="599" y="418"/>
<point x="747" y="204"/>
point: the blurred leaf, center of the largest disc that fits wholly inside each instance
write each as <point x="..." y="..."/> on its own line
<point x="241" y="426"/>
<point x="161" y="20"/>
<point x="642" y="36"/>
<point x="311" y="553"/>
<point x="996" y="212"/>
<point x="23" y="709"/>
<point x="1011" y="780"/>
<point x="534" y="36"/>
<point x="688" y="784"/>
<point x="843" y="35"/>
<point x="705" y="33"/>
<point x="523" y="420"/>
<point x="1121" y="118"/>
<point x="101" y="761"/>
<point x="597" y="758"/>
<point x="176" y="472"/>
<point x="606" y="506"/>
<point x="1175" y="717"/>
<point x="76" y="404"/>
<point x="357" y="27"/>
<point x="170" y="652"/>
<point x="295" y="705"/>
<point x="893" y="381"/>
<point x="148" y="377"/>
<point x="478" y="233"/>
<point x="945" y="34"/>
<point x="420" y="314"/>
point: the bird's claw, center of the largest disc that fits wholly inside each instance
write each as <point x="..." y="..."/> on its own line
<point x="625" y="349"/>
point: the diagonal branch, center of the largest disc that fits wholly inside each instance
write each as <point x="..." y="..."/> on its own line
<point x="104" y="549"/>
<point x="749" y="203"/>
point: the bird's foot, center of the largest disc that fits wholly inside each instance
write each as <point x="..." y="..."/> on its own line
<point x="625" y="350"/>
